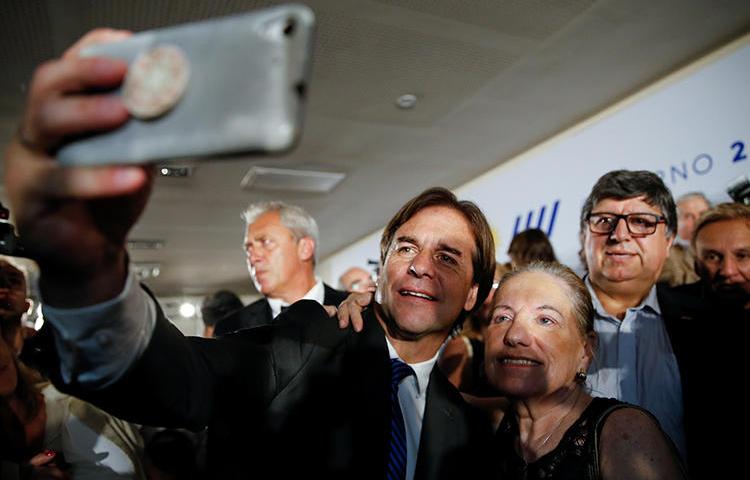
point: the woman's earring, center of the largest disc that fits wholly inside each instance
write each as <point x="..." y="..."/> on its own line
<point x="580" y="376"/>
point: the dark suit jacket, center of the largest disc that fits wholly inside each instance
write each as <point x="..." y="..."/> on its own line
<point x="709" y="338"/>
<point x="299" y="398"/>
<point x="259" y="313"/>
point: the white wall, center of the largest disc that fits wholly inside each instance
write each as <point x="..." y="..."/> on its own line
<point x="692" y="128"/>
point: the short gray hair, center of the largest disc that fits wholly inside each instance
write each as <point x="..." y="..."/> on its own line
<point x="295" y="218"/>
<point x="689" y="195"/>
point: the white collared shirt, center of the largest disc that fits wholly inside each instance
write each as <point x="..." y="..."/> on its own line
<point x="412" y="397"/>
<point x="317" y="293"/>
<point x="635" y="363"/>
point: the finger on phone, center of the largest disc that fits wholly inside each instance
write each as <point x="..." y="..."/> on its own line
<point x="95" y="37"/>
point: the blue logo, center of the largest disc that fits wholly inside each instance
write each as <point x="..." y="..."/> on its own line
<point x="518" y="226"/>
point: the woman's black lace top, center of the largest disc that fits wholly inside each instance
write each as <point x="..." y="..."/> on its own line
<point x="573" y="458"/>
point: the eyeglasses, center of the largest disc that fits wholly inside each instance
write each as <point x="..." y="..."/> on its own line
<point x="638" y="223"/>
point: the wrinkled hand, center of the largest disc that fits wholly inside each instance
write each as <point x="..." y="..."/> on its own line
<point x="73" y="220"/>
<point x="350" y="310"/>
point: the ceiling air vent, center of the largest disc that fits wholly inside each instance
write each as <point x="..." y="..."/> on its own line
<point x="266" y="178"/>
<point x="145" y="244"/>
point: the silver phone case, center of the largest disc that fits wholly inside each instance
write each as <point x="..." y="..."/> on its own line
<point x="248" y="76"/>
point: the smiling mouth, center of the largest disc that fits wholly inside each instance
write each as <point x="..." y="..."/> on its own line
<point x="519" y="362"/>
<point x="411" y="293"/>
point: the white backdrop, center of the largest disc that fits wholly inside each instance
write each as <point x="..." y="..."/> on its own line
<point x="692" y="128"/>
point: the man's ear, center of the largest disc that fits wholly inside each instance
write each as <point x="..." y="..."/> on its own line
<point x="471" y="298"/>
<point x="306" y="248"/>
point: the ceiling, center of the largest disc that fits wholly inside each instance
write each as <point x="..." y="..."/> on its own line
<point x="492" y="78"/>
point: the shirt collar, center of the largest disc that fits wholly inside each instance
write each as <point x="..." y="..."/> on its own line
<point x="422" y="370"/>
<point x="651" y="301"/>
<point x="317" y="293"/>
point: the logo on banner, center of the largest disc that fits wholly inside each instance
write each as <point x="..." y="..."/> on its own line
<point x="536" y="219"/>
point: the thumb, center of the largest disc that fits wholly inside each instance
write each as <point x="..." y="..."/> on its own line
<point x="43" y="458"/>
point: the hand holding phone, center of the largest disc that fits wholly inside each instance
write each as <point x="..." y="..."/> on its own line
<point x="223" y="86"/>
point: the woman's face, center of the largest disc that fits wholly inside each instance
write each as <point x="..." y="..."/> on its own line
<point x="8" y="373"/>
<point x="534" y="345"/>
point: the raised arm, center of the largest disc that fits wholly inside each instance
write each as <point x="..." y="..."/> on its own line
<point x="74" y="221"/>
<point x="632" y="446"/>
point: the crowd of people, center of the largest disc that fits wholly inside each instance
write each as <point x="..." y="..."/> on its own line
<point x="462" y="368"/>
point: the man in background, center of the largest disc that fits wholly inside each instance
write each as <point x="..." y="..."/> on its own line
<point x="711" y="318"/>
<point x="679" y="268"/>
<point x="280" y="246"/>
<point x="356" y="279"/>
<point x="218" y="306"/>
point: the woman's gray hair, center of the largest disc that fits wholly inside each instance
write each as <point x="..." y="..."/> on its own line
<point x="580" y="297"/>
<point x="295" y="218"/>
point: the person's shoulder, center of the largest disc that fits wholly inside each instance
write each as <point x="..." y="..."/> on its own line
<point x="253" y="314"/>
<point x="691" y="289"/>
<point x="440" y="387"/>
<point x="308" y="319"/>
<point x="255" y="308"/>
<point x="682" y="300"/>
<point x="633" y="445"/>
<point x="332" y="296"/>
<point x="626" y="419"/>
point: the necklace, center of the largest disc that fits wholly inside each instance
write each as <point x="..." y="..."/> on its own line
<point x="560" y="422"/>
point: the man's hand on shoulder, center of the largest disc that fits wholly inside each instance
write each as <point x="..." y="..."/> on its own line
<point x="350" y="310"/>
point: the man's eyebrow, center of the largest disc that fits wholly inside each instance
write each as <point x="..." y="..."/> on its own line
<point x="447" y="248"/>
<point x="406" y="238"/>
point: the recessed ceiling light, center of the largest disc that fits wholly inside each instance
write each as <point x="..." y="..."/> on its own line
<point x="406" y="101"/>
<point x="146" y="270"/>
<point x="187" y="310"/>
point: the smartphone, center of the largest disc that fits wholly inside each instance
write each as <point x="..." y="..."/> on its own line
<point x="236" y="85"/>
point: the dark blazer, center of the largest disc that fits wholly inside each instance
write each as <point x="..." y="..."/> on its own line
<point x="299" y="398"/>
<point x="259" y="313"/>
<point x="709" y="338"/>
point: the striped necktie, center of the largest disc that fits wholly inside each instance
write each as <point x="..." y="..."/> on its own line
<point x="397" y="442"/>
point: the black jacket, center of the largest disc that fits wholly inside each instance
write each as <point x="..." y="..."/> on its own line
<point x="299" y="398"/>
<point x="709" y="338"/>
<point x="259" y="313"/>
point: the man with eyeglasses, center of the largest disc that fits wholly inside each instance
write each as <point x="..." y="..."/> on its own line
<point x="628" y="224"/>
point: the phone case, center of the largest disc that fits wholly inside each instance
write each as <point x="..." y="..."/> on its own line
<point x="248" y="75"/>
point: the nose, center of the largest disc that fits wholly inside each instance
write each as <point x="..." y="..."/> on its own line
<point x="728" y="268"/>
<point x="422" y="265"/>
<point x="516" y="334"/>
<point x="253" y="255"/>
<point x="621" y="231"/>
